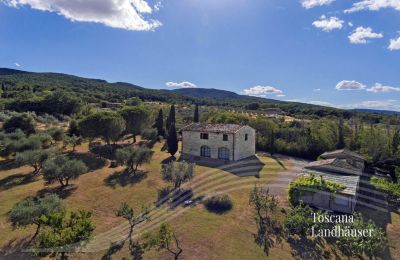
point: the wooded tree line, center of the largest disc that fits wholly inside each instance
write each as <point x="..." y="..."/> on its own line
<point x="310" y="138"/>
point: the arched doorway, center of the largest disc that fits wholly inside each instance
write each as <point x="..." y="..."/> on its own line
<point x="223" y="153"/>
<point x="205" y="151"/>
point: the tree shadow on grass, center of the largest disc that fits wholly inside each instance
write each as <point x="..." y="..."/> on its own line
<point x="169" y="160"/>
<point x="7" y="165"/>
<point x="304" y="248"/>
<point x="92" y="161"/>
<point x="114" y="248"/>
<point x="279" y="162"/>
<point x="16" y="180"/>
<point x="63" y="193"/>
<point x="124" y="178"/>
<point x="13" y="249"/>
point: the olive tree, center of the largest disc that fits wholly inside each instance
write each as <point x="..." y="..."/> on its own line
<point x="34" y="158"/>
<point x="177" y="173"/>
<point x="164" y="238"/>
<point x="63" y="169"/>
<point x="72" y="140"/>
<point x="64" y="229"/>
<point x="132" y="157"/>
<point x="268" y="229"/>
<point x="126" y="212"/>
<point x="33" y="211"/>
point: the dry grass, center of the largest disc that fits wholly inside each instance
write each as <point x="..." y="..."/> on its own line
<point x="203" y="235"/>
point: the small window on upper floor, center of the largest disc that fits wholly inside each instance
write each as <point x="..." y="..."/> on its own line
<point x="246" y="137"/>
<point x="225" y="137"/>
<point x="204" y="136"/>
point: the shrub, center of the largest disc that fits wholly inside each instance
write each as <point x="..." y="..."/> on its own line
<point x="359" y="246"/>
<point x="219" y="203"/>
<point x="299" y="220"/>
<point x="390" y="188"/>
<point x="23" y="122"/>
<point x="149" y="134"/>
<point x="311" y="184"/>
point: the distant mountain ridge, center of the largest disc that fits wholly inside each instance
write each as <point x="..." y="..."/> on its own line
<point x="98" y="89"/>
<point x="219" y="94"/>
<point x="377" y="111"/>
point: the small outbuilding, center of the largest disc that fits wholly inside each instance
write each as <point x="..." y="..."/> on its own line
<point x="229" y="142"/>
<point x="342" y="167"/>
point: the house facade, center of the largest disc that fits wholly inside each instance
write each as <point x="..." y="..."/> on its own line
<point x="228" y="142"/>
<point x="343" y="167"/>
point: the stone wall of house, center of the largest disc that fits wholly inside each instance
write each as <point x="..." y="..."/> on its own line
<point x="243" y="148"/>
<point x="191" y="143"/>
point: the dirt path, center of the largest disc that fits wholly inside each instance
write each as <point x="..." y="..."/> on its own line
<point x="279" y="185"/>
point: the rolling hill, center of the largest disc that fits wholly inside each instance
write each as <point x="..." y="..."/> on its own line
<point x="22" y="84"/>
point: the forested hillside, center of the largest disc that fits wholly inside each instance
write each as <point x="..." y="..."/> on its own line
<point x="23" y="91"/>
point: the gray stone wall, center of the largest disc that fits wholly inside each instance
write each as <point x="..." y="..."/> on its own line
<point x="238" y="147"/>
<point x="192" y="143"/>
<point x="243" y="148"/>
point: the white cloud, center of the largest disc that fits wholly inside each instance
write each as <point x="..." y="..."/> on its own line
<point x="379" y="88"/>
<point x="394" y="44"/>
<point x="16" y="64"/>
<point x="184" y="84"/>
<point x="349" y="85"/>
<point x="374" y="5"/>
<point x="281" y="95"/>
<point x="361" y="34"/>
<point x="313" y="3"/>
<point x="317" y="89"/>
<point x="158" y="5"/>
<point x="328" y="24"/>
<point x="262" y="91"/>
<point x="123" y="14"/>
<point x="321" y="103"/>
<point x="350" y="24"/>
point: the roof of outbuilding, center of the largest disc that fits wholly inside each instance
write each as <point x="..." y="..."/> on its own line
<point x="338" y="164"/>
<point x="350" y="181"/>
<point x="342" y="152"/>
<point x="212" y="128"/>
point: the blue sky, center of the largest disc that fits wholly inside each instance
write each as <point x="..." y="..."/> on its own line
<point x="336" y="52"/>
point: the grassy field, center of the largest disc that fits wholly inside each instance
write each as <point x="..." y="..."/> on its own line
<point x="203" y="235"/>
<point x="201" y="231"/>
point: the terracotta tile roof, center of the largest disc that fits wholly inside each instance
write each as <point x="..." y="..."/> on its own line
<point x="212" y="128"/>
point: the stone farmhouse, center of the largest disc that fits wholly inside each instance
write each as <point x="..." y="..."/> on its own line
<point x="342" y="166"/>
<point x="228" y="142"/>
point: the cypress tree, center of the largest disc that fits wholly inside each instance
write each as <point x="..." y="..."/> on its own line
<point x="171" y="117"/>
<point x="396" y="142"/>
<point x="159" y="124"/>
<point x="196" y="117"/>
<point x="340" y="143"/>
<point x="172" y="140"/>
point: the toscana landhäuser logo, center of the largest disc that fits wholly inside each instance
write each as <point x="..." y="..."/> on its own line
<point x="340" y="226"/>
